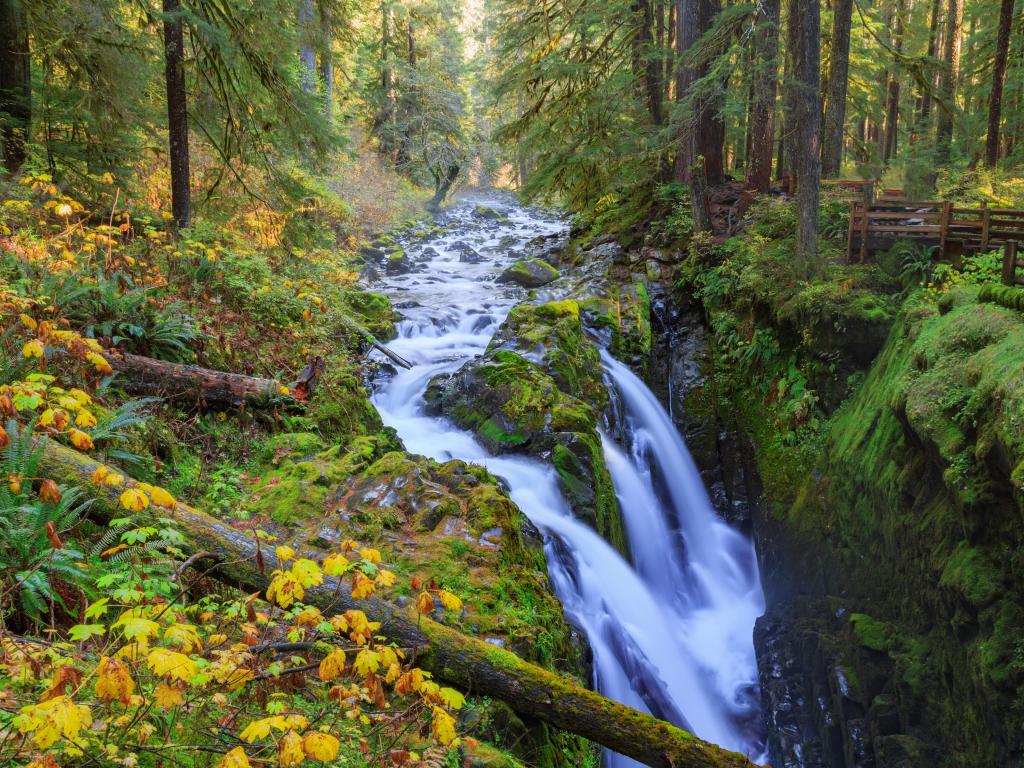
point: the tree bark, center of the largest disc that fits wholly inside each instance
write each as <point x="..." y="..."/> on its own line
<point x="995" y="99"/>
<point x="835" y="99"/>
<point x="689" y="166"/>
<point x="15" y="85"/>
<point x="925" y="108"/>
<point x="326" y="59"/>
<point x="805" y="18"/>
<point x="190" y="384"/>
<point x="177" y="113"/>
<point x="762" y="113"/>
<point x="307" y="48"/>
<point x="467" y="662"/>
<point x="711" y="126"/>
<point x="892" y="103"/>
<point x="950" y="78"/>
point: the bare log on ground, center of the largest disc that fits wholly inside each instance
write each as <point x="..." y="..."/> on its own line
<point x="461" y="660"/>
<point x="190" y="384"/>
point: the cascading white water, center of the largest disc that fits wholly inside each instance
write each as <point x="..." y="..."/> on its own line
<point x="672" y="634"/>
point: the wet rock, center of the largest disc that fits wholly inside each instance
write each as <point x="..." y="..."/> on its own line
<point x="529" y="273"/>
<point x="486" y="212"/>
<point x="470" y="256"/>
<point x="398" y="263"/>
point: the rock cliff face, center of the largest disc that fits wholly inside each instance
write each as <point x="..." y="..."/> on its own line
<point x="895" y="601"/>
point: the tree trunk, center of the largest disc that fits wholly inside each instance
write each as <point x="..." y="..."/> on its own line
<point x="443" y="187"/>
<point x="892" y="102"/>
<point x="805" y="19"/>
<point x="995" y="99"/>
<point x="790" y="101"/>
<point x="458" y="659"/>
<point x="190" y="384"/>
<point x="924" y="113"/>
<point x="689" y="166"/>
<point x="307" y="46"/>
<point x="762" y="112"/>
<point x="950" y="78"/>
<point x="326" y="60"/>
<point x="709" y="122"/>
<point x="835" y="99"/>
<point x="15" y="85"/>
<point x="177" y="113"/>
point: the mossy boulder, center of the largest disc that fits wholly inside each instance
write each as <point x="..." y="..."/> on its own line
<point x="538" y="390"/>
<point x="529" y="273"/>
<point x="551" y="336"/>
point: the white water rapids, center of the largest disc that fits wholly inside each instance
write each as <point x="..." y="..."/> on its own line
<point x="671" y="633"/>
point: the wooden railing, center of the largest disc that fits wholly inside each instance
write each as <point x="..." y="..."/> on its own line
<point x="937" y="223"/>
<point x="1010" y="264"/>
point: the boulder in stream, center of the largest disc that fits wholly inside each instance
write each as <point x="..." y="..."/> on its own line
<point x="529" y="273"/>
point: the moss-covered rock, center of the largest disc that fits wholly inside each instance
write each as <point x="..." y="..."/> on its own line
<point x="625" y="310"/>
<point x="538" y="390"/>
<point x="529" y="273"/>
<point x="914" y="518"/>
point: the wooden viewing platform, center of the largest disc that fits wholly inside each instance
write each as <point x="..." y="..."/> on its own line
<point x="951" y="230"/>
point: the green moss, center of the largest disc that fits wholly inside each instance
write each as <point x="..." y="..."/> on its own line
<point x="972" y="574"/>
<point x="871" y="633"/>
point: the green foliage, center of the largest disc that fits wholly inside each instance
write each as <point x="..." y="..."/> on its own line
<point x="35" y="574"/>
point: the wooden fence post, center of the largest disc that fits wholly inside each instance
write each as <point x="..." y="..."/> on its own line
<point x="986" y="216"/>
<point x="1010" y="262"/>
<point x="947" y="214"/>
<point x="863" y="233"/>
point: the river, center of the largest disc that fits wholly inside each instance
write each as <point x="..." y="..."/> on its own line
<point x="672" y="631"/>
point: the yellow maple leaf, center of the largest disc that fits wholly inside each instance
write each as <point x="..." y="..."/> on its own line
<point x="51" y="719"/>
<point x="99" y="362"/>
<point x="289" y="750"/>
<point x="114" y="681"/>
<point x="333" y="665"/>
<point x="336" y="564"/>
<point x="370" y="555"/>
<point x="84" y="419"/>
<point x="135" y="626"/>
<point x="449" y="601"/>
<point x="171" y="664"/>
<point x="236" y="758"/>
<point x="367" y="661"/>
<point x="284" y="589"/>
<point x="162" y="498"/>
<point x="81" y="440"/>
<point x="134" y="500"/>
<point x="260" y="729"/>
<point x="185" y="636"/>
<point x="284" y="553"/>
<point x="33" y="348"/>
<point x="362" y="587"/>
<point x="307" y="573"/>
<point x="385" y="578"/>
<point x="442" y="726"/>
<point x="321" y="746"/>
<point x="168" y="696"/>
<point x="452" y="698"/>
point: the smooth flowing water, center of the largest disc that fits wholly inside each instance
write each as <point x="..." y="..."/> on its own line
<point x="671" y="632"/>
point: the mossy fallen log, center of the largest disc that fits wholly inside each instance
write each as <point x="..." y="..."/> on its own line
<point x="467" y="662"/>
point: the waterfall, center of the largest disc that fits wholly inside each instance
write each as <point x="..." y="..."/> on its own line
<point x="671" y="632"/>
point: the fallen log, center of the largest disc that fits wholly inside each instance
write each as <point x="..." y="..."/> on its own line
<point x="464" y="661"/>
<point x="190" y="384"/>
